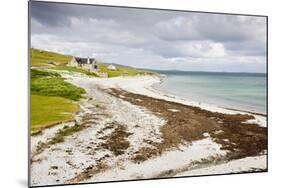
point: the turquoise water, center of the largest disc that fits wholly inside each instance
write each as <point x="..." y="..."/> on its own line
<point x="242" y="91"/>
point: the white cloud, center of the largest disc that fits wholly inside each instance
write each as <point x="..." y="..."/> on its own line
<point x="152" y="39"/>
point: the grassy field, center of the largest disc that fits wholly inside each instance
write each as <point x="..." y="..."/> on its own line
<point x="52" y="99"/>
<point x="46" y="111"/>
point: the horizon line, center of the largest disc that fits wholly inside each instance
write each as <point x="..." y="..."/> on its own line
<point x="203" y="71"/>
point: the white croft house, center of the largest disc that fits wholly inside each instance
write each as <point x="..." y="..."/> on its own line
<point x="111" y="67"/>
<point x="89" y="64"/>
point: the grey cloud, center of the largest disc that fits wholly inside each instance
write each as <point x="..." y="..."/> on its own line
<point x="50" y="14"/>
<point x="248" y="47"/>
<point x="150" y="38"/>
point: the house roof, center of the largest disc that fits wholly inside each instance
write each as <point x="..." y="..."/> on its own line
<point x="84" y="60"/>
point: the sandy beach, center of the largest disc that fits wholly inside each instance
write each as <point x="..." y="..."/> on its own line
<point x="130" y="131"/>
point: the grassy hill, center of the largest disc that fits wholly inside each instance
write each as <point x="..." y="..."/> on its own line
<point x="43" y="58"/>
<point x="123" y="71"/>
<point x="54" y="100"/>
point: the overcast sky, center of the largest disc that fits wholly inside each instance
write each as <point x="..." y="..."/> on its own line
<point x="152" y="38"/>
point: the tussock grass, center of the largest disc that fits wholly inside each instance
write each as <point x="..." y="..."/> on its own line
<point x="34" y="73"/>
<point x="56" y="87"/>
<point x="51" y="84"/>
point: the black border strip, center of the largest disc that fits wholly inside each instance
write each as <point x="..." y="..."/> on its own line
<point x="112" y="6"/>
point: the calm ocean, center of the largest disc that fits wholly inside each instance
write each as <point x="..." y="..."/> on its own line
<point x="242" y="91"/>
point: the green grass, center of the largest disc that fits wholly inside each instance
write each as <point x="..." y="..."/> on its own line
<point x="56" y="87"/>
<point x="42" y="58"/>
<point x="74" y="69"/>
<point x="123" y="71"/>
<point x="46" y="111"/>
<point x="51" y="84"/>
<point x="34" y="73"/>
<point x="52" y="99"/>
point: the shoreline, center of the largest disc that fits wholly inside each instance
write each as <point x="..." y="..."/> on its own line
<point x="162" y="77"/>
<point x="192" y="123"/>
<point x="144" y="85"/>
<point x="134" y="132"/>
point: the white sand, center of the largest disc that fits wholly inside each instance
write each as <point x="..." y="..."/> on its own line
<point x="78" y="151"/>
<point x="168" y="161"/>
<point x="143" y="85"/>
<point x="235" y="166"/>
<point x="46" y="134"/>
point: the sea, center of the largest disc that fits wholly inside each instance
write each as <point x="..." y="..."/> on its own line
<point x="240" y="91"/>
